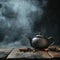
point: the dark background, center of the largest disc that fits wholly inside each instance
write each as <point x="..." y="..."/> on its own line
<point x="51" y="20"/>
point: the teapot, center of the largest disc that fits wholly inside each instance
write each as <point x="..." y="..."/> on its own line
<point x="39" y="42"/>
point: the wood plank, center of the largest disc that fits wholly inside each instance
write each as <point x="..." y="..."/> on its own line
<point x="16" y="54"/>
<point x="54" y="54"/>
<point x="4" y="53"/>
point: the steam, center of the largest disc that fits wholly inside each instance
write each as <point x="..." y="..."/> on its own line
<point x="17" y="19"/>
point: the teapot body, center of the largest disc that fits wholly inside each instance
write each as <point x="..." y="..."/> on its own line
<point x="39" y="42"/>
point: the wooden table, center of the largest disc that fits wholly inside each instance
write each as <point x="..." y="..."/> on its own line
<point x="16" y="54"/>
<point x="4" y="53"/>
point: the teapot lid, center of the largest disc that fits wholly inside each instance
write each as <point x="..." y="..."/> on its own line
<point x="39" y="36"/>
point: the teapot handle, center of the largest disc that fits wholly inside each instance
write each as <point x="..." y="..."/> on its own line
<point x="50" y="38"/>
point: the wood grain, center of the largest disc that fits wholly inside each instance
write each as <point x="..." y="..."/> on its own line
<point x="16" y="54"/>
<point x="54" y="54"/>
<point x="4" y="53"/>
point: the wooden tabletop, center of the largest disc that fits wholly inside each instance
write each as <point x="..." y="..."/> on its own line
<point x="11" y="54"/>
<point x="4" y="53"/>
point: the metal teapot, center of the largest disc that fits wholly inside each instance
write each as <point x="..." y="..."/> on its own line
<point x="39" y="42"/>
